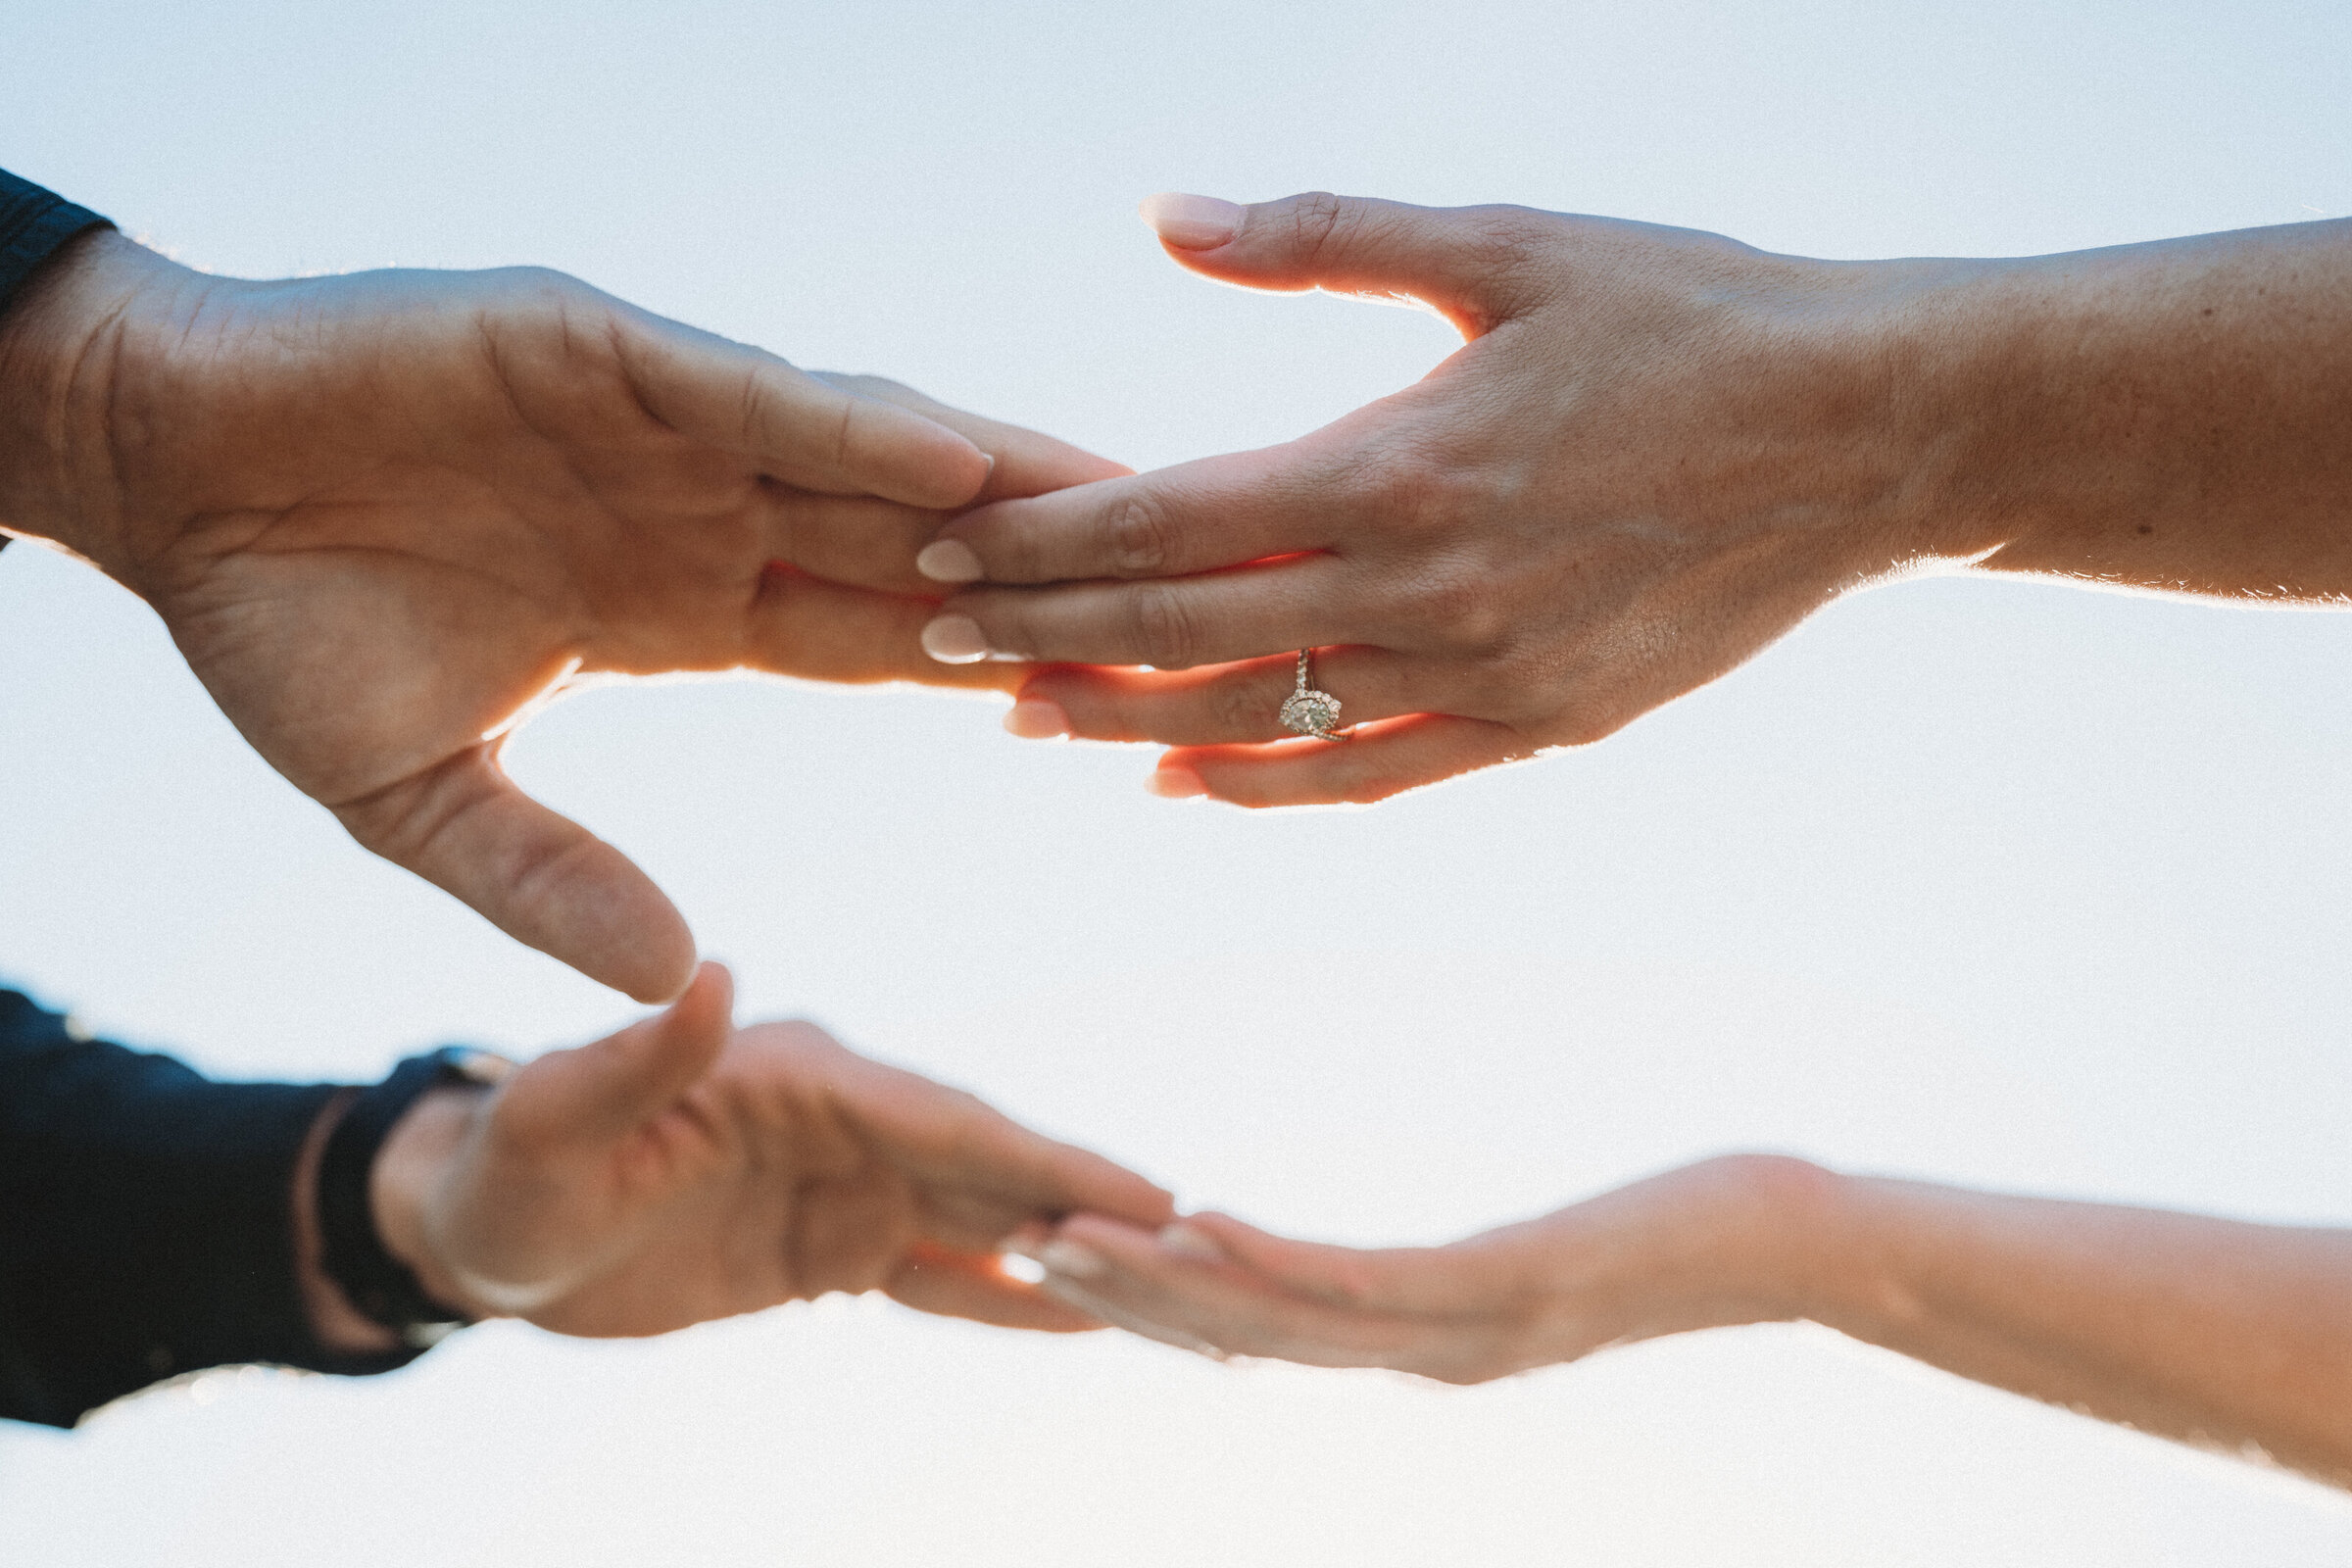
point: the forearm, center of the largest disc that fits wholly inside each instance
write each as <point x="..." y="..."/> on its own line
<point x="2175" y="415"/>
<point x="146" y="1221"/>
<point x="2209" y="1330"/>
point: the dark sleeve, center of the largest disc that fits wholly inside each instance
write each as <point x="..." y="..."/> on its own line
<point x="145" y="1221"/>
<point x="34" y="225"/>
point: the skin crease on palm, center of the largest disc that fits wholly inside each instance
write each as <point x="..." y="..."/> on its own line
<point x="1658" y="452"/>
<point x="385" y="515"/>
<point x="685" y="1169"/>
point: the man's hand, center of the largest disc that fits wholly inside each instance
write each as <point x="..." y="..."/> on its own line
<point x="1659" y="451"/>
<point x="385" y="513"/>
<point x="683" y="1170"/>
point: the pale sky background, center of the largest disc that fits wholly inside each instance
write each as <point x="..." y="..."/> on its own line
<point x="1997" y="884"/>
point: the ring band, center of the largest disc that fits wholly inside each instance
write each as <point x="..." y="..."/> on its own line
<point x="1308" y="711"/>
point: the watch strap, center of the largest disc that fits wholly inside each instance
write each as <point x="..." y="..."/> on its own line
<point x="380" y="1285"/>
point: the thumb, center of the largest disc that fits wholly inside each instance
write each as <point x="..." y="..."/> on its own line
<point x="601" y="1091"/>
<point x="1464" y="262"/>
<point x="546" y="881"/>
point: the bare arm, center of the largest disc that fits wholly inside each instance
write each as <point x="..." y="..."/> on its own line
<point x="2218" y="1333"/>
<point x="2174" y="416"/>
<point x="2226" y="1335"/>
<point x="1659" y="451"/>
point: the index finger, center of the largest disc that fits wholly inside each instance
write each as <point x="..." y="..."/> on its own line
<point x="1195" y="516"/>
<point x="796" y="427"/>
<point x="947" y="1136"/>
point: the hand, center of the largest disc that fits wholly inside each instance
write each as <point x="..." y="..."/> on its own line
<point x="1658" y="451"/>
<point x="1727" y="1241"/>
<point x="683" y="1170"/>
<point x="385" y="513"/>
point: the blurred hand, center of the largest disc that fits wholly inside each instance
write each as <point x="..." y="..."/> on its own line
<point x="1711" y="1244"/>
<point x="385" y="513"/>
<point x="683" y="1170"/>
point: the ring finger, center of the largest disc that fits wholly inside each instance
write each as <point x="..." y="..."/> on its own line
<point x="1220" y="703"/>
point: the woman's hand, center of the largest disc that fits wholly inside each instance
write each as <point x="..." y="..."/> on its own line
<point x="384" y="514"/>
<point x="1659" y="451"/>
<point x="1714" y="1244"/>
<point x="683" y="1170"/>
<point x="2229" y="1336"/>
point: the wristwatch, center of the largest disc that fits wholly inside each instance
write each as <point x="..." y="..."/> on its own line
<point x="379" y="1285"/>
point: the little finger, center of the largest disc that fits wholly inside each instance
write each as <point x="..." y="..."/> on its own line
<point x="1375" y="762"/>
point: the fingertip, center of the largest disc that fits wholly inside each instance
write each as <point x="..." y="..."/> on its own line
<point x="1175" y="782"/>
<point x="709" y="999"/>
<point x="1037" y="719"/>
<point x="653" y="961"/>
<point x="915" y="459"/>
<point x="961" y="473"/>
<point x="950" y="561"/>
<point x="1188" y="222"/>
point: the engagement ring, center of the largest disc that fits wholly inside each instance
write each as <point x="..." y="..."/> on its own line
<point x="1308" y="711"/>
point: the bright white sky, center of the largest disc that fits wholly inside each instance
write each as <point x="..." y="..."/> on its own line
<point x="1996" y="884"/>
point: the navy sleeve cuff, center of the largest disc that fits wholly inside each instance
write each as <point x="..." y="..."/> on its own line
<point x="34" y="224"/>
<point x="146" y="1226"/>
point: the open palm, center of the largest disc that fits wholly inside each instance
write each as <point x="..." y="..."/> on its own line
<point x="684" y="1170"/>
<point x="383" y="513"/>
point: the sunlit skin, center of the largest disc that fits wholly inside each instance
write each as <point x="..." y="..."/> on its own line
<point x="2231" y="1336"/>
<point x="1659" y="451"/>
<point x="382" y="513"/>
<point x="685" y="1169"/>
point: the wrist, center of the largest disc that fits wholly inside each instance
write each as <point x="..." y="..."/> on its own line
<point x="1733" y="1240"/>
<point x="70" y="341"/>
<point x="1776" y="1240"/>
<point x="334" y="1321"/>
<point x="1933" y="360"/>
<point x="411" y="1172"/>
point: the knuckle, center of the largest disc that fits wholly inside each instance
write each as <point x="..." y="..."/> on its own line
<point x="1512" y="246"/>
<point x="1319" y="221"/>
<point x="1161" y="627"/>
<point x="1461" y="602"/>
<point x="1137" y="538"/>
<point x="1421" y="493"/>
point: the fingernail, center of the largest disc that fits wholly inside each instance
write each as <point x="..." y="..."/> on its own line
<point x="1068" y="1258"/>
<point x="1175" y="784"/>
<point x="1192" y="222"/>
<point x="1024" y="1240"/>
<point x="1185" y="1242"/>
<point x="950" y="561"/>
<point x="955" y="640"/>
<point x="1037" y="719"/>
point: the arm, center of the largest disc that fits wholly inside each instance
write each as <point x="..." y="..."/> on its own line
<point x="1658" y="451"/>
<point x="153" y="1222"/>
<point x="2226" y="1335"/>
<point x="386" y="513"/>
<point x="684" y="1169"/>
<point x="147" y="1222"/>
